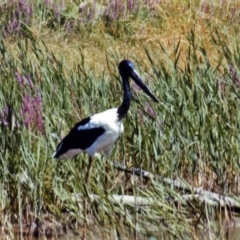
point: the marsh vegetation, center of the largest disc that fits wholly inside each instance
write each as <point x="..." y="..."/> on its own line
<point x="58" y="64"/>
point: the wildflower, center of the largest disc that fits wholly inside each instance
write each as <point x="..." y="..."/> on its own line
<point x="233" y="75"/>
<point x="150" y="110"/>
<point x="4" y="116"/>
<point x="22" y="14"/>
<point x="32" y="111"/>
<point x="32" y="104"/>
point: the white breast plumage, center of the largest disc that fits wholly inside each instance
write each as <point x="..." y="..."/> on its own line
<point x="113" y="129"/>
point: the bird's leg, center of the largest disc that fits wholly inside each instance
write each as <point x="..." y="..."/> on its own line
<point x="85" y="203"/>
<point x="107" y="171"/>
<point x="85" y="219"/>
<point x="88" y="169"/>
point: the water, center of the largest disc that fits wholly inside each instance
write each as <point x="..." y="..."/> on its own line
<point x="232" y="233"/>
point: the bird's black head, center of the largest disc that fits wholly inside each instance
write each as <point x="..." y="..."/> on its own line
<point x="127" y="69"/>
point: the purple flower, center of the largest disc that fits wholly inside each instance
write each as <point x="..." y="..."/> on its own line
<point x="19" y="78"/>
<point x="46" y="3"/>
<point x="82" y="8"/>
<point x="22" y="12"/>
<point x="115" y="10"/>
<point x="4" y="116"/>
<point x="150" y="111"/>
<point x="233" y="75"/>
<point x="29" y="80"/>
<point x="62" y="4"/>
<point x="56" y="11"/>
<point x="32" y="103"/>
<point x="7" y="118"/>
<point x="29" y="13"/>
<point x="57" y="8"/>
<point x="68" y="26"/>
<point x="32" y="111"/>
<point x="130" y="5"/>
<point x="141" y="116"/>
<point x="24" y="80"/>
<point x="221" y="86"/>
<point x="135" y="87"/>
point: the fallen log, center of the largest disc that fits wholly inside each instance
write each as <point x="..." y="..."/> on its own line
<point x="199" y="194"/>
<point x="189" y="194"/>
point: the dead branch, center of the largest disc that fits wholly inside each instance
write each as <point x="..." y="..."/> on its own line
<point x="199" y="194"/>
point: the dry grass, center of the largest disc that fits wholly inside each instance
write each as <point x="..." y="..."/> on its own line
<point x="171" y="21"/>
<point x="190" y="51"/>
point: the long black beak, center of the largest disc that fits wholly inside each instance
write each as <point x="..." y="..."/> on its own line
<point x="138" y="80"/>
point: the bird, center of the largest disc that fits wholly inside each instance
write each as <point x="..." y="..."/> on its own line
<point x="99" y="132"/>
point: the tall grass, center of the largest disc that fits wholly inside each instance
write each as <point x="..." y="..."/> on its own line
<point x="191" y="135"/>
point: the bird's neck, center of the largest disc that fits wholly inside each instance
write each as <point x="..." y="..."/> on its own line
<point x="123" y="109"/>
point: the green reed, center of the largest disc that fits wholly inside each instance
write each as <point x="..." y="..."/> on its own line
<point x="192" y="134"/>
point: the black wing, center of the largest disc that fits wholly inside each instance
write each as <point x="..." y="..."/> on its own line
<point x="76" y="139"/>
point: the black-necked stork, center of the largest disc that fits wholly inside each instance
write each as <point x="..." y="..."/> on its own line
<point x="99" y="132"/>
